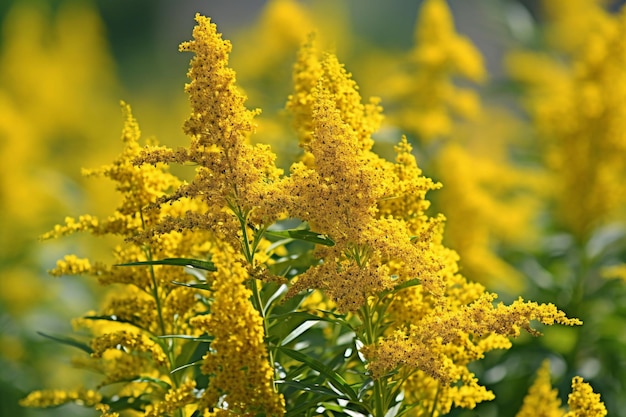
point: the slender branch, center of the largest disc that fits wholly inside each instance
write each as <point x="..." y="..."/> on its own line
<point x="166" y="345"/>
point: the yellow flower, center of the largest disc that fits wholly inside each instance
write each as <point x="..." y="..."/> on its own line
<point x="125" y="343"/>
<point x="134" y="342"/>
<point x="424" y="343"/>
<point x="428" y="97"/>
<point x="231" y="173"/>
<point x="175" y="399"/>
<point x="237" y="363"/>
<point x="407" y="196"/>
<point x="583" y="402"/>
<point x="282" y="26"/>
<point x="576" y="101"/>
<point x="374" y="211"/>
<point x="542" y="400"/>
<point x="615" y="272"/>
<point x="106" y="411"/>
<point x="71" y="265"/>
<point x="307" y="71"/>
<point x="53" y="398"/>
<point x="338" y="194"/>
<point x="331" y="197"/>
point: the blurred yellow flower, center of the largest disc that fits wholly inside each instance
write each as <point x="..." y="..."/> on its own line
<point x="542" y="400"/>
<point x="576" y="101"/>
<point x="427" y="97"/>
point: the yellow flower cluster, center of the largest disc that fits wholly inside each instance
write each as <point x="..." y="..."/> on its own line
<point x="577" y="107"/>
<point x="126" y="344"/>
<point x="583" y="402"/>
<point x="237" y="361"/>
<point x="174" y="400"/>
<point x="487" y="199"/>
<point x="446" y="339"/>
<point x="71" y="265"/>
<point x="230" y="172"/>
<point x="428" y="97"/>
<point x="338" y="194"/>
<point x="418" y="323"/>
<point x="53" y="398"/>
<point x="542" y="400"/>
<point x="233" y="188"/>
<point x="126" y="340"/>
<point x="374" y="212"/>
<point x="309" y="70"/>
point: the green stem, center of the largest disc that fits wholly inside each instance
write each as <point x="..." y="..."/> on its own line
<point x="369" y="338"/>
<point x="249" y="252"/>
<point x="155" y="288"/>
<point x="257" y="301"/>
<point x="155" y="291"/>
<point x="168" y="344"/>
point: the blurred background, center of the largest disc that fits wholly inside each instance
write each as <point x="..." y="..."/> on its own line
<point x="65" y="65"/>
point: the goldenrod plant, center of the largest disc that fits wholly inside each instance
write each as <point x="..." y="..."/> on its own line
<point x="572" y="87"/>
<point x="466" y="145"/>
<point x="248" y="291"/>
<point x="576" y="103"/>
<point x="58" y="93"/>
<point x="542" y="400"/>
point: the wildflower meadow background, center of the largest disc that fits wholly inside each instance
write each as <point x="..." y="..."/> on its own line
<point x="427" y="215"/>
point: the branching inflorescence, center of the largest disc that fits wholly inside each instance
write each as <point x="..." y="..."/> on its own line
<point x="248" y="292"/>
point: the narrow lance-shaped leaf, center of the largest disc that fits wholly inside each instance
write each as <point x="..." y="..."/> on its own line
<point x="155" y="381"/>
<point x="111" y="318"/>
<point x="196" y="286"/>
<point x="193" y="263"/>
<point x="185" y="366"/>
<point x="68" y="341"/>
<point x="337" y="380"/>
<point x="410" y="283"/>
<point x="206" y="339"/>
<point x="302" y="234"/>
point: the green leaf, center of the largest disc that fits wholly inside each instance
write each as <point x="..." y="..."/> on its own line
<point x="302" y="234"/>
<point x="333" y="377"/>
<point x="302" y="408"/>
<point x="277" y="244"/>
<point x="300" y="314"/>
<point x="298" y="331"/>
<point x="206" y="339"/>
<point x="206" y="287"/>
<point x="410" y="283"/>
<point x="293" y="264"/>
<point x="192" y="263"/>
<point x="185" y="366"/>
<point x="192" y="351"/>
<point x="406" y="408"/>
<point x="283" y="325"/>
<point x="271" y="293"/>
<point x="68" y="341"/>
<point x="162" y="384"/>
<point x="310" y="387"/>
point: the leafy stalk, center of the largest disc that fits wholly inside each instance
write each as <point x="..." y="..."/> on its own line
<point x="249" y="251"/>
<point x="166" y="345"/>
